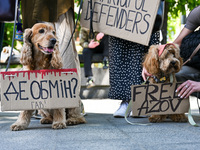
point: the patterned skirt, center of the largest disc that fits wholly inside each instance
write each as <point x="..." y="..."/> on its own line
<point x="125" y="65"/>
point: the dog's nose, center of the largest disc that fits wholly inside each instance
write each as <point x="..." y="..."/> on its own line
<point x="53" y="41"/>
<point x="173" y="62"/>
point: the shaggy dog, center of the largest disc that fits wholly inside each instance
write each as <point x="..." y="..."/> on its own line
<point x="162" y="62"/>
<point x="40" y="51"/>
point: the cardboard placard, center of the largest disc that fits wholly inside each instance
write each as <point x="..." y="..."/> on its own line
<point x="39" y="89"/>
<point x="131" y="20"/>
<point x="157" y="99"/>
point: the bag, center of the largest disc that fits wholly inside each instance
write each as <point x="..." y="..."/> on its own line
<point x="188" y="45"/>
<point x="7" y="10"/>
<point x="159" y="17"/>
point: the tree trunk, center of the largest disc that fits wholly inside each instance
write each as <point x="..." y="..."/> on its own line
<point x="164" y="27"/>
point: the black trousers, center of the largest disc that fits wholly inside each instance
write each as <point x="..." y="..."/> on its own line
<point x="88" y="53"/>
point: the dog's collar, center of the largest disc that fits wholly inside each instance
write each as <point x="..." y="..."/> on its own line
<point x="162" y="47"/>
<point x="162" y="79"/>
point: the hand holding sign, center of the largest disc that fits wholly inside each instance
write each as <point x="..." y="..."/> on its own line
<point x="131" y="20"/>
<point x="93" y="44"/>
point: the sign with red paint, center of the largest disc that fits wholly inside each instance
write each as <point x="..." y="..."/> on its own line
<point x="39" y="89"/>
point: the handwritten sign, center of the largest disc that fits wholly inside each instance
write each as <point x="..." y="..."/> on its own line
<point x="157" y="99"/>
<point x="37" y="89"/>
<point x="131" y="20"/>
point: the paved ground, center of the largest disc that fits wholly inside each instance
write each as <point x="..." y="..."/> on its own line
<point x="102" y="132"/>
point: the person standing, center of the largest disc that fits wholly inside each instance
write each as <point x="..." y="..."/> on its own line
<point x="60" y="13"/>
<point x="125" y="66"/>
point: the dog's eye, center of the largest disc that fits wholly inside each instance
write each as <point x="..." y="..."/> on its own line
<point x="54" y="32"/>
<point x="41" y="31"/>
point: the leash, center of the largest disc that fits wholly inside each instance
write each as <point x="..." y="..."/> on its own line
<point x="128" y="110"/>
<point x="193" y="53"/>
<point x="190" y="118"/>
<point x="79" y="12"/>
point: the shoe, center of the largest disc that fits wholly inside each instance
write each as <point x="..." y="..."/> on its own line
<point x="83" y="113"/>
<point x="120" y="113"/>
<point x="90" y="83"/>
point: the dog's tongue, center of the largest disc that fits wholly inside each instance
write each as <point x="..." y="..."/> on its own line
<point x="50" y="50"/>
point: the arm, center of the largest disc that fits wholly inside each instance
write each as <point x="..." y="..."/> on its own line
<point x="184" y="32"/>
<point x="193" y="21"/>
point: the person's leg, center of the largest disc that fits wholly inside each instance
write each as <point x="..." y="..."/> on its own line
<point x="125" y="69"/>
<point x="64" y="27"/>
<point x="105" y="51"/>
<point x="87" y="57"/>
<point x="188" y="73"/>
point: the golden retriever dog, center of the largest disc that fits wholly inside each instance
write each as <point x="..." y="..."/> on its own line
<point x="163" y="61"/>
<point x="40" y="51"/>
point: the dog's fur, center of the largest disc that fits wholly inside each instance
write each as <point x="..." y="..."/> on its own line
<point x="40" y="51"/>
<point x="169" y="62"/>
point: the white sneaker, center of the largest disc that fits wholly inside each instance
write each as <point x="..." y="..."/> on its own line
<point x="90" y="83"/>
<point x="120" y="113"/>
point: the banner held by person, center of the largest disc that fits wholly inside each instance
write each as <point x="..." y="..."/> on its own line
<point x="131" y="20"/>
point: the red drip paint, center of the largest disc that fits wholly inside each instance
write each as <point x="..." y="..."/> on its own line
<point x="24" y="74"/>
<point x="42" y="72"/>
<point x="36" y="74"/>
<point x="3" y="76"/>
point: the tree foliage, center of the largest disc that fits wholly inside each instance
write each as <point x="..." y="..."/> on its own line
<point x="181" y="6"/>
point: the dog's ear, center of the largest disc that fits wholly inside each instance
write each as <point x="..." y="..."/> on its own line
<point x="26" y="51"/>
<point x="56" y="60"/>
<point x="178" y="56"/>
<point x="151" y="61"/>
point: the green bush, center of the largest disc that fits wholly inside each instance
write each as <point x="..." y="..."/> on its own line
<point x="8" y="34"/>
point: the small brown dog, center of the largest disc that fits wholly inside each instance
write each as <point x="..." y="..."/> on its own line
<point x="40" y="51"/>
<point x="163" y="61"/>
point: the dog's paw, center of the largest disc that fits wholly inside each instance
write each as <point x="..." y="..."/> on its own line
<point x="59" y="125"/>
<point x="178" y="118"/>
<point x="157" y="118"/>
<point x="74" y="121"/>
<point x="16" y="127"/>
<point x="46" y="121"/>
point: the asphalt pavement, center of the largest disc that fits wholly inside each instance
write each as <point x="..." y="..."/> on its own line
<point x="101" y="132"/>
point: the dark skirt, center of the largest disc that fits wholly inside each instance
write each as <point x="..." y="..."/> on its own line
<point x="125" y="65"/>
